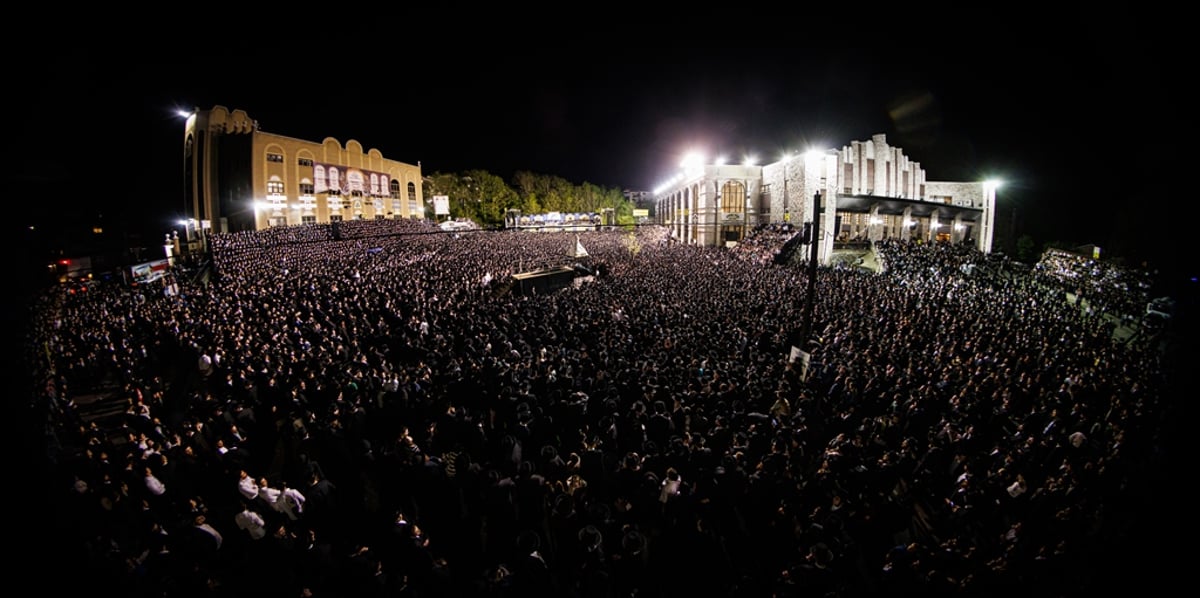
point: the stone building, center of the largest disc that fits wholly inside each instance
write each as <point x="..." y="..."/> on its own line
<point x="868" y="190"/>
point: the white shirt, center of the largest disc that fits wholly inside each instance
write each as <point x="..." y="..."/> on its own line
<point x="290" y="503"/>
<point x="269" y="495"/>
<point x="155" y="485"/>
<point x="251" y="522"/>
<point x="248" y="488"/>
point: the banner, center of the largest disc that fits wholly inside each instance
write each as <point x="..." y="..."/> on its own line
<point x="149" y="271"/>
<point x="345" y="180"/>
<point x="441" y="205"/>
<point x="803" y="357"/>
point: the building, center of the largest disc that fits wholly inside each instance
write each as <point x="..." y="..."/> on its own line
<point x="238" y="177"/>
<point x="869" y="191"/>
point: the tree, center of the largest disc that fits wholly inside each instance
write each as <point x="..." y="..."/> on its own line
<point x="485" y="197"/>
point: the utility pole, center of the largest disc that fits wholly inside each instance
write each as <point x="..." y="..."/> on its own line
<point x="815" y="236"/>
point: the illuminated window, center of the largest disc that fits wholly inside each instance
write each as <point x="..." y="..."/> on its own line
<point x="733" y="197"/>
<point x="274" y="187"/>
<point x="275" y="158"/>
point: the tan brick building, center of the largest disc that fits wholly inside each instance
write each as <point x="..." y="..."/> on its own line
<point x="238" y="177"/>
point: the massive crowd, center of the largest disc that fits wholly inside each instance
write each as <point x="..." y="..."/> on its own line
<point x="363" y="411"/>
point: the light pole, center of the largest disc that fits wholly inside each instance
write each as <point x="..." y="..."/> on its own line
<point x="810" y="298"/>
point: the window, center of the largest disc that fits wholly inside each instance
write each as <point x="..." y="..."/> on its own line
<point x="394" y="189"/>
<point x="335" y="218"/>
<point x="412" y="192"/>
<point x="308" y="219"/>
<point x="733" y="197"/>
<point x="274" y="157"/>
<point x="274" y="187"/>
<point x="304" y="162"/>
<point x="765" y="189"/>
<point x="307" y="189"/>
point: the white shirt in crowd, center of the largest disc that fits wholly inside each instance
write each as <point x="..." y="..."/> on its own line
<point x="290" y="503"/>
<point x="247" y="487"/>
<point x="251" y="522"/>
<point x="268" y="494"/>
<point x="154" y="485"/>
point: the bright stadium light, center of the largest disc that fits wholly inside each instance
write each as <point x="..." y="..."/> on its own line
<point x="692" y="164"/>
<point x="750" y="160"/>
<point x="691" y="160"/>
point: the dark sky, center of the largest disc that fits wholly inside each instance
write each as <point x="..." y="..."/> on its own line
<point x="1080" y="133"/>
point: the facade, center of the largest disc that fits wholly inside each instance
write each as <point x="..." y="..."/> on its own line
<point x="238" y="177"/>
<point x="869" y="191"/>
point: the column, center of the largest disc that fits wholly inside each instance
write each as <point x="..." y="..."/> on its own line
<point x="874" y="224"/>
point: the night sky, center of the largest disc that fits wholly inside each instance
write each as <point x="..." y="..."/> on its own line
<point x="1080" y="134"/>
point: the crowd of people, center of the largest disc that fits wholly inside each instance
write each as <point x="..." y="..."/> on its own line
<point x="365" y="412"/>
<point x="1101" y="286"/>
